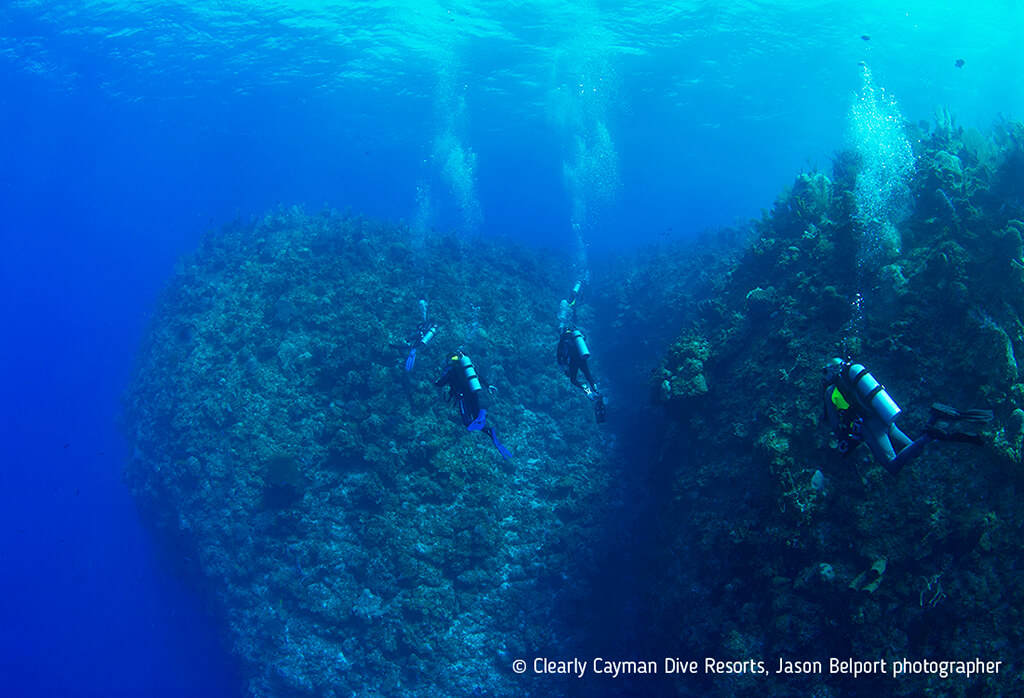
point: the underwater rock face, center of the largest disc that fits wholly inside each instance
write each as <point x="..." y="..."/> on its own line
<point x="351" y="534"/>
<point x="920" y="566"/>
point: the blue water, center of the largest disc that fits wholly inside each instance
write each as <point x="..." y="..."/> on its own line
<point x="128" y="129"/>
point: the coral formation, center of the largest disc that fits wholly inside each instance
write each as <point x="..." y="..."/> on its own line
<point x="353" y="536"/>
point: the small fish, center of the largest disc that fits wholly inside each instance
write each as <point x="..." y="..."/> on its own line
<point x="959" y="63"/>
<point x="865" y="37"/>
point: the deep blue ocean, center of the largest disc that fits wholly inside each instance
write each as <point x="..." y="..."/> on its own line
<point x="128" y="129"/>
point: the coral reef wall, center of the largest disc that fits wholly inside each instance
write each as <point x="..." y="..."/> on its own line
<point x="353" y="536"/>
<point x="768" y="544"/>
<point x="355" y="539"/>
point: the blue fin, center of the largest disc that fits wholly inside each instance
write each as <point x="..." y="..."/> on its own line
<point x="411" y="360"/>
<point x="478" y="423"/>
<point x="505" y="453"/>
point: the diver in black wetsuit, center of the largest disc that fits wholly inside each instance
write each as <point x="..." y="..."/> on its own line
<point x="860" y="410"/>
<point x="574" y="353"/>
<point x="467" y="390"/>
<point x="424" y="333"/>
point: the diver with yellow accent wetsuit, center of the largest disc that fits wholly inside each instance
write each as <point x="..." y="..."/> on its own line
<point x="859" y="409"/>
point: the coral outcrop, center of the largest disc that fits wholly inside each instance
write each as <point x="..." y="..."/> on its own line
<point x="769" y="544"/>
<point x="355" y="539"/>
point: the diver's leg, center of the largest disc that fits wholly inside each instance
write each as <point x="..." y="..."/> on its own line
<point x="586" y="372"/>
<point x="574" y="375"/>
<point x="883" y="442"/>
<point x="477" y="412"/>
<point x="909" y="453"/>
<point x="877" y="438"/>
<point x="906" y="448"/>
<point x="898" y="439"/>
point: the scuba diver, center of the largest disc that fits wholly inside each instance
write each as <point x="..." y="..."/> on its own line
<point x="467" y="389"/>
<point x="860" y="410"/>
<point x="574" y="353"/>
<point x="419" y="339"/>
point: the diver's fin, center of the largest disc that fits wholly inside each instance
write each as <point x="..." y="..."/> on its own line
<point x="410" y="360"/>
<point x="599" y="413"/>
<point x="478" y="423"/>
<point x="963" y="438"/>
<point x="977" y="416"/>
<point x="952" y="414"/>
<point x="505" y="453"/>
<point x="947" y="412"/>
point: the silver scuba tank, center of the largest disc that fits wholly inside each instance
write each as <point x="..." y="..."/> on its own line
<point x="871" y="394"/>
<point x="469" y="373"/>
<point x="429" y="335"/>
<point x="581" y="344"/>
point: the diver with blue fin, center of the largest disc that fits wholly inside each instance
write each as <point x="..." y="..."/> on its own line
<point x="574" y="353"/>
<point x="466" y="388"/>
<point x="424" y="333"/>
<point x="859" y="410"/>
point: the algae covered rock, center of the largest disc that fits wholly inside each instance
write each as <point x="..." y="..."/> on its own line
<point x="349" y="532"/>
<point x="687" y="377"/>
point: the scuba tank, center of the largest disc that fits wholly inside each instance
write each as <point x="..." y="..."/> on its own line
<point x="581" y="344"/>
<point x="429" y="335"/>
<point x="575" y="295"/>
<point x="871" y="394"/>
<point x="567" y="306"/>
<point x="469" y="374"/>
<point x="563" y="315"/>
